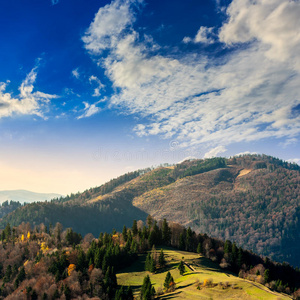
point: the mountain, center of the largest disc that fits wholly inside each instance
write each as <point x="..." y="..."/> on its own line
<point x="26" y="196"/>
<point x="253" y="200"/>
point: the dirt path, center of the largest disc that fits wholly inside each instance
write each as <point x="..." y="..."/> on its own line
<point x="189" y="266"/>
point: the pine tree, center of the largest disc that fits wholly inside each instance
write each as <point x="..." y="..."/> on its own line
<point x="124" y="233"/>
<point x="166" y="232"/>
<point x="147" y="291"/>
<point x="148" y="262"/>
<point x="169" y="281"/>
<point x="134" y="228"/>
<point x="267" y="275"/>
<point x="161" y="259"/>
<point x="199" y="248"/>
<point x="181" y="268"/>
<point x="227" y="247"/>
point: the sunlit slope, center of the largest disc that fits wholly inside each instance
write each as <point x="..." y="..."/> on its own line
<point x="198" y="269"/>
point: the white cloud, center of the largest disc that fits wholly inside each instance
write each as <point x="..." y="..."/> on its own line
<point x="75" y="73"/>
<point x="247" y="95"/>
<point x="215" y="152"/>
<point x="108" y="24"/>
<point x="273" y="23"/>
<point x="100" y="85"/>
<point x="27" y="102"/>
<point x="89" y="110"/>
<point x="189" y="158"/>
<point x="204" y="35"/>
<point x="245" y="153"/>
<point x="294" y="160"/>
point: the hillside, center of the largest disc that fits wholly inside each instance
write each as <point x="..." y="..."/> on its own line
<point x="253" y="200"/>
<point x="198" y="269"/>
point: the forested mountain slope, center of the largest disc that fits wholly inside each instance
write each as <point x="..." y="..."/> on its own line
<point x="252" y="200"/>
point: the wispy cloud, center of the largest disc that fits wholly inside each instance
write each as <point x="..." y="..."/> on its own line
<point x="97" y="91"/>
<point x="27" y="102"/>
<point x="75" y="73"/>
<point x="247" y="95"/>
<point x="89" y="110"/>
<point x="245" y="153"/>
<point x="215" y="152"/>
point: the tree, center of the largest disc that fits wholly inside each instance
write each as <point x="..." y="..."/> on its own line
<point x="147" y="291"/>
<point x="166" y="232"/>
<point x="227" y="247"/>
<point x="181" y="268"/>
<point x="267" y="275"/>
<point x="169" y="282"/>
<point x="199" y="248"/>
<point x="124" y="233"/>
<point x="134" y="228"/>
<point x="161" y="259"/>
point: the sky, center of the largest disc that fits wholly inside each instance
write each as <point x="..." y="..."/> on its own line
<point x="92" y="89"/>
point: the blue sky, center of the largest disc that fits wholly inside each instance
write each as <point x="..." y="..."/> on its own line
<point x="92" y="89"/>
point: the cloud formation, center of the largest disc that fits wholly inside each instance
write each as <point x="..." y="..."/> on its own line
<point x="89" y="110"/>
<point x="27" y="102"/>
<point x="215" y="152"/>
<point x="75" y="73"/>
<point x="249" y="94"/>
<point x="204" y="35"/>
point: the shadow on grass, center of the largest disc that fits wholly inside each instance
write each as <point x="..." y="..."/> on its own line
<point x="137" y="266"/>
<point x="169" y="296"/>
<point x="209" y="265"/>
<point x="184" y="286"/>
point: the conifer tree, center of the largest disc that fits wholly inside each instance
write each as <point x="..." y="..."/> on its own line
<point x="134" y="228"/>
<point x="199" y="248"/>
<point x="147" y="291"/>
<point x="181" y="268"/>
<point x="161" y="259"/>
<point x="169" y="281"/>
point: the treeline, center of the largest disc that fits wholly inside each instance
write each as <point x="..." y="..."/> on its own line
<point x="200" y="166"/>
<point x="94" y="218"/>
<point x="8" y="206"/>
<point x="103" y="189"/>
<point x="269" y="162"/>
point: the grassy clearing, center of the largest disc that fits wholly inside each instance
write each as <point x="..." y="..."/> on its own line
<point x="186" y="285"/>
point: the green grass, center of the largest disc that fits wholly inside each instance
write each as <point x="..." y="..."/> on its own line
<point x="186" y="285"/>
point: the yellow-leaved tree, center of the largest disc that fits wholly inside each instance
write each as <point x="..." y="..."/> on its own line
<point x="44" y="248"/>
<point x="22" y="238"/>
<point x="71" y="268"/>
<point x="28" y="235"/>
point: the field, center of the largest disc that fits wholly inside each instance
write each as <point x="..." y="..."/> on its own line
<point x="224" y="285"/>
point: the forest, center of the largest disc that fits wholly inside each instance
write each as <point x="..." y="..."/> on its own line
<point x="53" y="263"/>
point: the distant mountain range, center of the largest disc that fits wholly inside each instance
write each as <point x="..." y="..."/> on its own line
<point x="253" y="200"/>
<point x="26" y="196"/>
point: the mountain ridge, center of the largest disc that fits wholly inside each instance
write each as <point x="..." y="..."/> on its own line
<point x="253" y="200"/>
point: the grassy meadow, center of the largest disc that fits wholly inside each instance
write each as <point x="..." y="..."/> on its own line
<point x="199" y="269"/>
